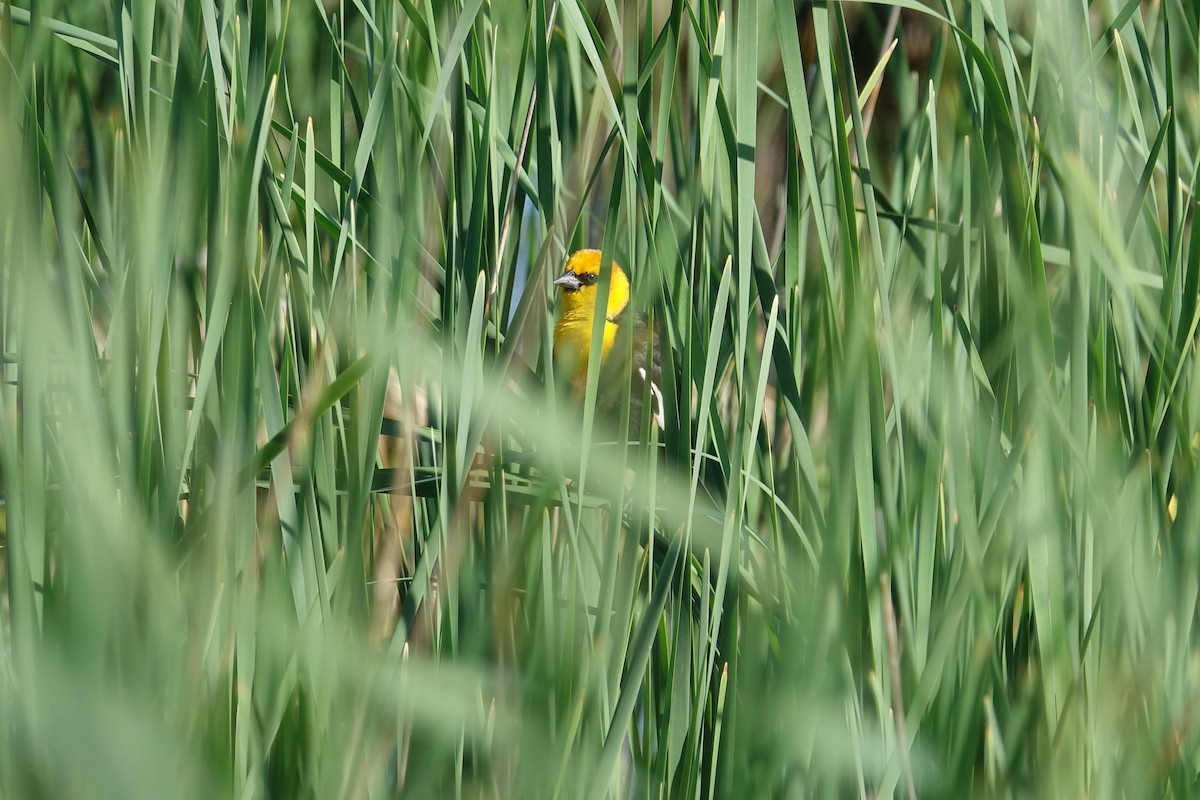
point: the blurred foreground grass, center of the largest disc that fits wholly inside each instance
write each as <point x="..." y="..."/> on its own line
<point x="288" y="513"/>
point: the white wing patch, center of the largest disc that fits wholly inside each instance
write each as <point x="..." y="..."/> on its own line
<point x="659" y="415"/>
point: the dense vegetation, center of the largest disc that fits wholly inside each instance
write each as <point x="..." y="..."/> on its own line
<point x="290" y="508"/>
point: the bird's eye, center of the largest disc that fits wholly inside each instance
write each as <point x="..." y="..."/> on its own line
<point x="588" y="278"/>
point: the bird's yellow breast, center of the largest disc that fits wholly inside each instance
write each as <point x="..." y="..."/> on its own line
<point x="573" y="344"/>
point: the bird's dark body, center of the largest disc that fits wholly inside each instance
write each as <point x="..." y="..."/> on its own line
<point x="634" y="358"/>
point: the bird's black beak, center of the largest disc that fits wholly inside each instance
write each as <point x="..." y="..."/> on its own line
<point x="569" y="282"/>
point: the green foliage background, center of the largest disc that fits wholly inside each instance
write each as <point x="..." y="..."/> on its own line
<point x="289" y="509"/>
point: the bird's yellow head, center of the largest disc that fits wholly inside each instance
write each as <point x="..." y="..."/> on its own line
<point x="579" y="286"/>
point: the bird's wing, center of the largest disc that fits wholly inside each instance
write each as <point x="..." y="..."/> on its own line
<point x="634" y="362"/>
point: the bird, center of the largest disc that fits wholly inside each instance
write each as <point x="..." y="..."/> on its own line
<point x="629" y="354"/>
<point x="629" y="357"/>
